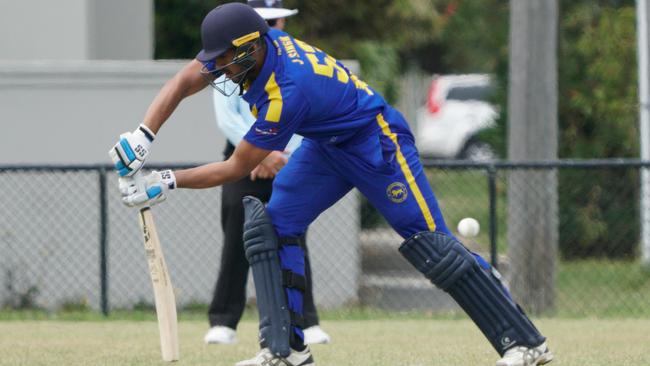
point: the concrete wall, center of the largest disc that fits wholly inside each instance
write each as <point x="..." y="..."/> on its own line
<point x="121" y="29"/>
<point x="76" y="29"/>
<point x="72" y="113"/>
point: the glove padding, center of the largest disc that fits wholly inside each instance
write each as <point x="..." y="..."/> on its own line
<point x="146" y="191"/>
<point x="130" y="152"/>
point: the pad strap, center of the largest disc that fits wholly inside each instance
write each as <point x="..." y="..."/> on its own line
<point x="293" y="280"/>
<point x="292" y="257"/>
<point x="297" y="319"/>
<point x="292" y="241"/>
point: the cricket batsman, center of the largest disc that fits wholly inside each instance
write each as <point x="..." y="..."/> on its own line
<point x="352" y="139"/>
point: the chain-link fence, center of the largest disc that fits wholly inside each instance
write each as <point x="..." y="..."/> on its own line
<point x="565" y="235"/>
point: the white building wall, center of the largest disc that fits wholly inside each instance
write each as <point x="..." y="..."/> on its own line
<point x="76" y="29"/>
<point x="71" y="112"/>
<point x="43" y="29"/>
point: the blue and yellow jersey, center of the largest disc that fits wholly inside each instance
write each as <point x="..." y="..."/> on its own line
<point x="303" y="90"/>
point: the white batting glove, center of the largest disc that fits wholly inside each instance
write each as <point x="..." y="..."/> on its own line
<point x="147" y="191"/>
<point x="130" y="152"/>
<point x="127" y="186"/>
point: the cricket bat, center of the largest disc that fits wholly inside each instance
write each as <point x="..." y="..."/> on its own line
<point x="162" y="286"/>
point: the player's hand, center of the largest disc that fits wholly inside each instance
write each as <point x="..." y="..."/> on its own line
<point x="270" y="166"/>
<point x="130" y="152"/>
<point x="147" y="191"/>
<point x="262" y="172"/>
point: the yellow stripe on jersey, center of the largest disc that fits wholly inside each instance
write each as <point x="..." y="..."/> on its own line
<point x="275" y="100"/>
<point x="254" y="111"/>
<point x="408" y="174"/>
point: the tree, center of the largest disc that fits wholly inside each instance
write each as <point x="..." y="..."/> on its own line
<point x="598" y="119"/>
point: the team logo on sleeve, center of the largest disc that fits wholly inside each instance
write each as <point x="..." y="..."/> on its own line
<point x="267" y="132"/>
<point x="397" y="192"/>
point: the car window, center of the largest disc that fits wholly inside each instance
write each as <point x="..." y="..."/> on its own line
<point x="483" y="92"/>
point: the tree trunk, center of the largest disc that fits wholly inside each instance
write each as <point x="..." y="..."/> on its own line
<point x="532" y="122"/>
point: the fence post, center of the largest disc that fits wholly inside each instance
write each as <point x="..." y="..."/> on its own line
<point x="533" y="134"/>
<point x="492" y="188"/>
<point x="643" y="55"/>
<point x="103" y="242"/>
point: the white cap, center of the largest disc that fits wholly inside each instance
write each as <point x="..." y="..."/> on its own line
<point x="271" y="9"/>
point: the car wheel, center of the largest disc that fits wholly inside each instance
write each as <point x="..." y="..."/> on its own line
<point x="478" y="151"/>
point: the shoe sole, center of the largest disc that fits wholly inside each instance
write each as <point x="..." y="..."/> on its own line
<point x="308" y="362"/>
<point x="544" y="359"/>
<point x="219" y="342"/>
<point x="317" y="342"/>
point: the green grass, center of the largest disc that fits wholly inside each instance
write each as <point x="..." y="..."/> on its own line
<point x="603" y="289"/>
<point x="355" y="342"/>
<point x="610" y="291"/>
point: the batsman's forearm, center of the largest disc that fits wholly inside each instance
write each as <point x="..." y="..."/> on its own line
<point x="209" y="175"/>
<point x="163" y="106"/>
<point x="185" y="83"/>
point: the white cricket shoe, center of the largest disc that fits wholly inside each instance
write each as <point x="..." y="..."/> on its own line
<point x="266" y="358"/>
<point x="315" y="335"/>
<point x="525" y="356"/>
<point x="220" y="335"/>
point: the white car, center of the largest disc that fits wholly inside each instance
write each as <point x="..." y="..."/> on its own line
<point x="456" y="110"/>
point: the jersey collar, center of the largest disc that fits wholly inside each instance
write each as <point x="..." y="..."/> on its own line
<point x="256" y="88"/>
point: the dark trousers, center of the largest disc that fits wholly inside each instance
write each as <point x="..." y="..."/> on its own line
<point x="229" y="298"/>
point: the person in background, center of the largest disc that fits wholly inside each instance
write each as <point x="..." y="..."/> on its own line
<point x="234" y="120"/>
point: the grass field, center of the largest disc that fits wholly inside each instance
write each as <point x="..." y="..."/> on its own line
<point x="390" y="342"/>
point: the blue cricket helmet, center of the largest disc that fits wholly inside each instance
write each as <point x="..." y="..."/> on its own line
<point x="229" y="26"/>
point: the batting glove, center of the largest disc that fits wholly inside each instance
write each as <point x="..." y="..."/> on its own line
<point x="147" y="191"/>
<point x="130" y="152"/>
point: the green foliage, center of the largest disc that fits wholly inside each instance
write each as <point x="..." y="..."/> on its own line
<point x="598" y="83"/>
<point x="75" y="305"/>
<point x="177" y="27"/>
<point x="598" y="119"/>
<point x="475" y="38"/>
<point x="338" y="26"/>
<point x="21" y="300"/>
<point x="384" y="59"/>
<point x="595" y="224"/>
<point x="18" y="298"/>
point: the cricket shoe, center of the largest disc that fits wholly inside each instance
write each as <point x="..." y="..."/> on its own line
<point x="266" y="358"/>
<point x="526" y="356"/>
<point x="315" y="335"/>
<point x="220" y="335"/>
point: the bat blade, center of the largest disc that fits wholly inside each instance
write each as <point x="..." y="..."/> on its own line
<point x="162" y="288"/>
